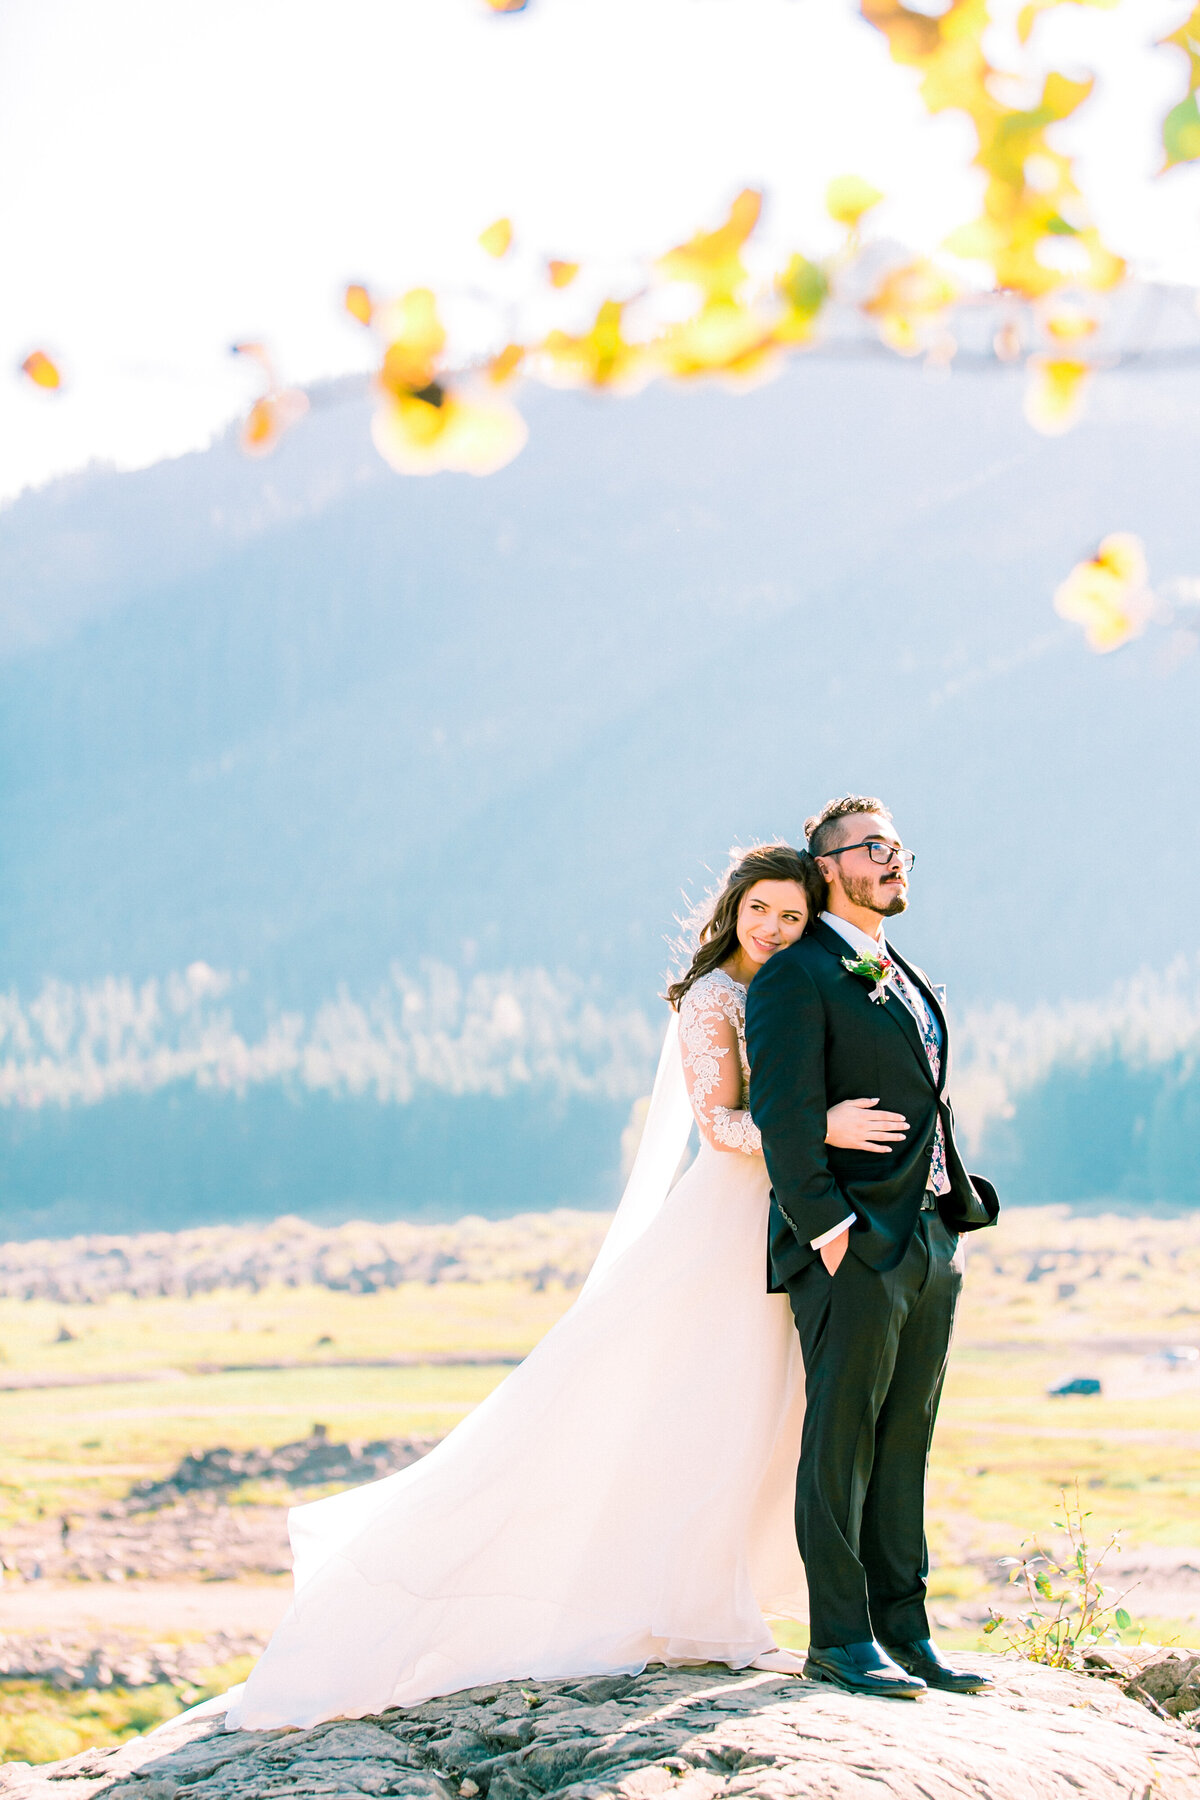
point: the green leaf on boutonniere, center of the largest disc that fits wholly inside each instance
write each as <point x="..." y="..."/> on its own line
<point x="877" y="969"/>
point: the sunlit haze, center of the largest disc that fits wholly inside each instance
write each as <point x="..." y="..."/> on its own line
<point x="184" y="175"/>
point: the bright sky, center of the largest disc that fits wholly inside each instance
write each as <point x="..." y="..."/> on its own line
<point x="182" y="174"/>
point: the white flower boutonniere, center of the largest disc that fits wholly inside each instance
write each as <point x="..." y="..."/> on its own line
<point x="878" y="969"/>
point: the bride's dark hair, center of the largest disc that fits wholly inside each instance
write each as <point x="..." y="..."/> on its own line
<point x="711" y="931"/>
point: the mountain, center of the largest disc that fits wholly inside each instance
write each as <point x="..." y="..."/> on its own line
<point x="318" y="730"/>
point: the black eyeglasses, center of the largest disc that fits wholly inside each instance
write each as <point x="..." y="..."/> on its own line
<point x="879" y="853"/>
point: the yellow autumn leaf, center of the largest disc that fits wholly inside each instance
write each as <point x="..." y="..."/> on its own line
<point x="722" y="339"/>
<point x="562" y="274"/>
<point x="1056" y="392"/>
<point x="712" y="259"/>
<point x="908" y="303"/>
<point x="269" y="418"/>
<point x="358" y="303"/>
<point x="803" y="286"/>
<point x="1022" y="266"/>
<point x="1181" y="133"/>
<point x="1124" y="557"/>
<point x="1105" y="268"/>
<point x="849" y="197"/>
<point x="1066" y="322"/>
<point x="41" y="370"/>
<point x="259" y="431"/>
<point x="443" y="431"/>
<point x="1187" y="39"/>
<point x="497" y="237"/>
<point x="415" y="340"/>
<point x="1062" y="95"/>
<point x="1031" y="200"/>
<point x="504" y="366"/>
<point x="1108" y="594"/>
<point x="602" y="357"/>
<point x="1181" y="127"/>
<point x="912" y="36"/>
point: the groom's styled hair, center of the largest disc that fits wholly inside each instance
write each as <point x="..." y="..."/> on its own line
<point x="821" y="830"/>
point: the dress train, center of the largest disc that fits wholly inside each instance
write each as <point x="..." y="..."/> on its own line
<point x="625" y="1496"/>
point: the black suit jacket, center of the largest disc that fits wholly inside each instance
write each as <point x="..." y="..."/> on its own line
<point x="814" y="1037"/>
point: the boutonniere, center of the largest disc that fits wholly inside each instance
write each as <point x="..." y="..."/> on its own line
<point x="879" y="969"/>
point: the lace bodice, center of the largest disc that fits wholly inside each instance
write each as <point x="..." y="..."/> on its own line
<point x="712" y="1037"/>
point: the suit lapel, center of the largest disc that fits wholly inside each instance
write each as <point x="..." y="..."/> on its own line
<point x="830" y="940"/>
<point x="893" y="1008"/>
<point x="898" y="1013"/>
<point x="921" y="982"/>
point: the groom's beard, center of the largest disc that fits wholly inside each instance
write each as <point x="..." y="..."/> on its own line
<point x="861" y="891"/>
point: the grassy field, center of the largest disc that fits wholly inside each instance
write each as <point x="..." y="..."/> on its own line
<point x="40" y="1724"/>
<point x="1106" y="1297"/>
<point x="1049" y="1296"/>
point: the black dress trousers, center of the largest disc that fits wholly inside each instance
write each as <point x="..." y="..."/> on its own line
<point x="875" y="1344"/>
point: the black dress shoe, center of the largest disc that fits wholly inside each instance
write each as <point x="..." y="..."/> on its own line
<point x="863" y="1669"/>
<point x="920" y="1656"/>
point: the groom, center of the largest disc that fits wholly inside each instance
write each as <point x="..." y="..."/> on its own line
<point x="865" y="1245"/>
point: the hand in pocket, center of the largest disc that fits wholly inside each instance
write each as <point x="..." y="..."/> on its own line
<point x="833" y="1252"/>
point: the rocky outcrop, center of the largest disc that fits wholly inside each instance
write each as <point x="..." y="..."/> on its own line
<point x="308" y="1462"/>
<point x="1168" y="1682"/>
<point x="180" y="1529"/>
<point x="695" y="1734"/>
<point x="71" y="1661"/>
<point x="191" y="1541"/>
<point x="537" y="1248"/>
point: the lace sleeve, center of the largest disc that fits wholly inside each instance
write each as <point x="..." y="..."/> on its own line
<point x="709" y="1035"/>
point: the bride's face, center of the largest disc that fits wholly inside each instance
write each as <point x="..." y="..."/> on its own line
<point x="772" y="915"/>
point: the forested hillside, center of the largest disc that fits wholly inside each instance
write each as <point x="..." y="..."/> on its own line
<point x="289" y="746"/>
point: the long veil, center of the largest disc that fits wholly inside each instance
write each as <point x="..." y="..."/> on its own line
<point x="664" y="1140"/>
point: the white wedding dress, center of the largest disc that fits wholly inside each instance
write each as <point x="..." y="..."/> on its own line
<point x="625" y="1496"/>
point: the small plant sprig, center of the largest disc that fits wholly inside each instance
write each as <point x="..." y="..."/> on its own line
<point x="877" y="969"/>
<point x="1068" y="1614"/>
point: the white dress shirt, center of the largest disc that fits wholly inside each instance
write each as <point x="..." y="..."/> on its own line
<point x="866" y="945"/>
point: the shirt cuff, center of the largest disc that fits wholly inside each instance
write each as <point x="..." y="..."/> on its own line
<point x="827" y="1237"/>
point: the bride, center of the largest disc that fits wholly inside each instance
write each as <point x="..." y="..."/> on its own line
<point x="625" y="1495"/>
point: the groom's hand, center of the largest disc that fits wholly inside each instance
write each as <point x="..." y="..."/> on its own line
<point x="833" y="1252"/>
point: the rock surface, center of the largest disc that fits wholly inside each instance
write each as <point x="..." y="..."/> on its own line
<point x="694" y="1734"/>
<point x="1169" y="1682"/>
